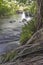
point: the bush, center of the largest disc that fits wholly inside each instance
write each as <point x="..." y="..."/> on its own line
<point x="27" y="31"/>
<point x="8" y="8"/>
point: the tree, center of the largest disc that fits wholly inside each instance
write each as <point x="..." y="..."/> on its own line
<point x="39" y="14"/>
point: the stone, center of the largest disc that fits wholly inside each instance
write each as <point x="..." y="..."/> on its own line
<point x="12" y="21"/>
<point x="24" y="20"/>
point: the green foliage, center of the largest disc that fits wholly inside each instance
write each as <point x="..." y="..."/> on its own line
<point x="32" y="7"/>
<point x="3" y="8"/>
<point x="27" y="31"/>
<point x="7" y="8"/>
<point x="22" y="1"/>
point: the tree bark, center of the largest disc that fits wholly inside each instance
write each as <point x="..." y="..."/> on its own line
<point x="39" y="14"/>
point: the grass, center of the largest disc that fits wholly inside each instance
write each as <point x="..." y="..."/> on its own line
<point x="27" y="31"/>
<point x="8" y="56"/>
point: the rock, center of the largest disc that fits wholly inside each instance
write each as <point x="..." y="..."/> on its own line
<point x="26" y="14"/>
<point x="19" y="12"/>
<point x="24" y="20"/>
<point x="12" y="21"/>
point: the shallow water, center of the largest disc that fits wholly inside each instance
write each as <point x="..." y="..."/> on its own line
<point x="10" y="30"/>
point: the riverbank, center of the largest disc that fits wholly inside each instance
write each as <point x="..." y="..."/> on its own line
<point x="31" y="53"/>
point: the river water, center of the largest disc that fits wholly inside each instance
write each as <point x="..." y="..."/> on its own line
<point x="10" y="30"/>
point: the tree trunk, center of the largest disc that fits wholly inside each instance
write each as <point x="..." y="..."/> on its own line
<point x="39" y="14"/>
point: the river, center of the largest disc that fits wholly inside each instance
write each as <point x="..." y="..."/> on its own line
<point x="10" y="30"/>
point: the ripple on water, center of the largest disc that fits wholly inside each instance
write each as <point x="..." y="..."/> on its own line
<point x="10" y="33"/>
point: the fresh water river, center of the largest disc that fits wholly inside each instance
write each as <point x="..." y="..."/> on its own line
<point x="10" y="30"/>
